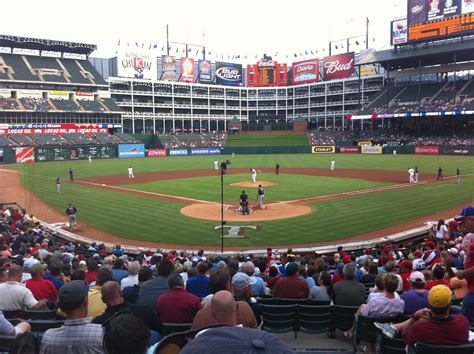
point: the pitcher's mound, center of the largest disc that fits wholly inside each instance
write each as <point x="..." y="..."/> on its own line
<point x="272" y="212"/>
<point x="255" y="185"/>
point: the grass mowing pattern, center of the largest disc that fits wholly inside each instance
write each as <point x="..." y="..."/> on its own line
<point x="267" y="140"/>
<point x="290" y="187"/>
<point x="151" y="219"/>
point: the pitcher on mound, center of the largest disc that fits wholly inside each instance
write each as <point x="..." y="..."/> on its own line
<point x="254" y="175"/>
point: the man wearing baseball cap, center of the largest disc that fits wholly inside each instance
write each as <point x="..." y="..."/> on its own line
<point x="78" y="335"/>
<point x="433" y="325"/>
<point x="466" y="222"/>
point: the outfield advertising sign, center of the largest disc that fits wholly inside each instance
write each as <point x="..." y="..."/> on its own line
<point x="323" y="149"/>
<point x="349" y="149"/>
<point x="367" y="149"/>
<point x="131" y="150"/>
<point x="178" y="152"/>
<point x="228" y="74"/>
<point x="205" y="151"/>
<point x="427" y="150"/>
<point x="156" y="152"/>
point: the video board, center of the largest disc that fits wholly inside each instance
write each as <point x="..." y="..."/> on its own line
<point x="438" y="19"/>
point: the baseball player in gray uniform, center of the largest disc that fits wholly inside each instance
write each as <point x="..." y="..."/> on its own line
<point x="261" y="196"/>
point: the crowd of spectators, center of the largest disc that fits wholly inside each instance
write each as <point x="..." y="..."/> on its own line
<point x="391" y="137"/>
<point x="103" y="292"/>
<point x="192" y="140"/>
<point x="9" y="104"/>
<point x="35" y="104"/>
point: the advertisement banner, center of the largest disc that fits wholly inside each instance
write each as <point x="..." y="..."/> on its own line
<point x="323" y="149"/>
<point x="136" y="63"/>
<point x="455" y="150"/>
<point x="399" y="32"/>
<point x="131" y="150"/>
<point x="84" y="94"/>
<point x="228" y="74"/>
<point x="53" y="130"/>
<point x="58" y="93"/>
<point x="178" y="152"/>
<point x="367" y="149"/>
<point x="156" y="152"/>
<point x="75" y="153"/>
<point x="367" y="70"/>
<point x="338" y="66"/>
<point x="205" y="151"/>
<point x="305" y="71"/>
<point x="427" y="150"/>
<point x="364" y="142"/>
<point x="169" y="68"/>
<point x="349" y="149"/>
<point x="25" y="155"/>
<point x="204" y="71"/>
<point x="187" y="70"/>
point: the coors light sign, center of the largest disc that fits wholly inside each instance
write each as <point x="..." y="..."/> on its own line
<point x="338" y="66"/>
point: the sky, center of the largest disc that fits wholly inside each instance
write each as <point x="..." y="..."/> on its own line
<point x="245" y="28"/>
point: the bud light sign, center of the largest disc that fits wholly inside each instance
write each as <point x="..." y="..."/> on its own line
<point x="338" y="66"/>
<point x="228" y="74"/>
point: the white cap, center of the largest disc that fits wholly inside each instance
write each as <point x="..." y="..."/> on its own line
<point x="29" y="262"/>
<point x="453" y="251"/>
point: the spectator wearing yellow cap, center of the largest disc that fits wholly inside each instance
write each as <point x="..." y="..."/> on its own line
<point x="434" y="325"/>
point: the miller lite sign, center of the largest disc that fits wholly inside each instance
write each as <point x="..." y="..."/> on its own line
<point x="338" y="66"/>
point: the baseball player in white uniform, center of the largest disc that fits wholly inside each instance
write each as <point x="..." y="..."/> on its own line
<point x="333" y="165"/>
<point x="216" y="165"/>
<point x="130" y="172"/>
<point x="254" y="175"/>
<point x="411" y="175"/>
<point x="90" y="159"/>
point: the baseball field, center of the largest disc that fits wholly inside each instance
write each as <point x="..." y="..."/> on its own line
<point x="176" y="200"/>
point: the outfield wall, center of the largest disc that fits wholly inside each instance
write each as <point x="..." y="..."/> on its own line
<point x="10" y="155"/>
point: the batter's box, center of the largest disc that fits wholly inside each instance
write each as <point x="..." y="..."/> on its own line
<point x="237" y="231"/>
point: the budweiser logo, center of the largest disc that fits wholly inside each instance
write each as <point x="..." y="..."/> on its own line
<point x="335" y="66"/>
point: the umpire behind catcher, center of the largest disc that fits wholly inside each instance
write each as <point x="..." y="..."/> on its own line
<point x="244" y="203"/>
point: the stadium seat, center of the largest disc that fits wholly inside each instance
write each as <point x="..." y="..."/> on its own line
<point x="365" y="330"/>
<point x="24" y="343"/>
<point x="279" y="318"/>
<point x="41" y="326"/>
<point x="314" y="319"/>
<point x="387" y="345"/>
<point x="39" y="314"/>
<point x="422" y="348"/>
<point x="343" y="317"/>
<point x="12" y="314"/>
<point x="169" y="328"/>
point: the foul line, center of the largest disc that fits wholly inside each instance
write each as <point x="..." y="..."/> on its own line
<point x="106" y="186"/>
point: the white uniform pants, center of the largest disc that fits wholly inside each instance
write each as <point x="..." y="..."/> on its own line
<point x="254" y="177"/>
<point x="130" y="174"/>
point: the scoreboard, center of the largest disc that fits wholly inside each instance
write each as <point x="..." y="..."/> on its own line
<point x="429" y="20"/>
<point x="438" y="29"/>
<point x="266" y="75"/>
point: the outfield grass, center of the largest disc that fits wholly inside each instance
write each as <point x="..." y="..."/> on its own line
<point x="267" y="140"/>
<point x="144" y="218"/>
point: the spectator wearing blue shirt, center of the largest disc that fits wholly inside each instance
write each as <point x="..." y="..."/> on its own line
<point x="198" y="284"/>
<point x="118" y="251"/>
<point x="54" y="274"/>
<point x="257" y="285"/>
<point x="304" y="275"/>
<point x="118" y="273"/>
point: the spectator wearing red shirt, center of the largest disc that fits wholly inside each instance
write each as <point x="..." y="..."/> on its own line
<point x="291" y="286"/>
<point x="177" y="305"/>
<point x="438" y="277"/>
<point x="453" y="228"/>
<point x="42" y="289"/>
<point x="91" y="275"/>
<point x="405" y="270"/>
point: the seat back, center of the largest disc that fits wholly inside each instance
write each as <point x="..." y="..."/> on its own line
<point x="279" y="318"/>
<point x="24" y="343"/>
<point x="169" y="328"/>
<point x="314" y="319"/>
<point x="365" y="330"/>
<point x="41" y="326"/>
<point x="423" y="348"/>
<point x="267" y="300"/>
<point x="12" y="314"/>
<point x="39" y="314"/>
<point x="387" y="345"/>
<point x="343" y="316"/>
